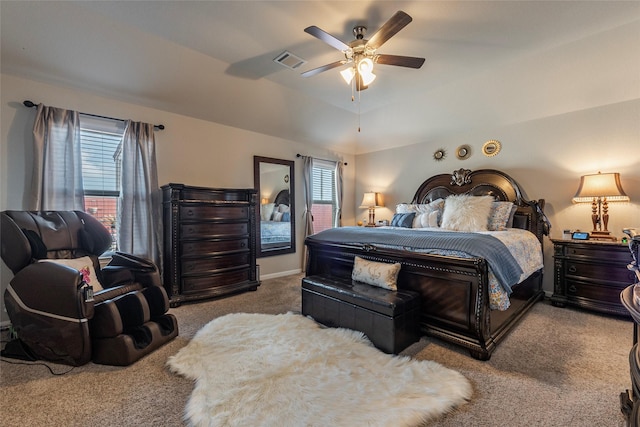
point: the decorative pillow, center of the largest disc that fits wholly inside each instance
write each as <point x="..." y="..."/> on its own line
<point x="499" y="216"/>
<point x="514" y="209"/>
<point x="283" y="208"/>
<point x="403" y="219"/>
<point x="286" y="217"/>
<point x="266" y="211"/>
<point x="380" y="274"/>
<point x="84" y="265"/>
<point x="277" y="216"/>
<point x="466" y="213"/>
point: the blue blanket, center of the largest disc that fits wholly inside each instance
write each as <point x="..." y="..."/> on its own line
<point x="503" y="265"/>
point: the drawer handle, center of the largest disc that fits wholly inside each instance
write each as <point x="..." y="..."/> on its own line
<point x="243" y="244"/>
<point x="572" y="289"/>
<point x="190" y="212"/>
<point x="572" y="269"/>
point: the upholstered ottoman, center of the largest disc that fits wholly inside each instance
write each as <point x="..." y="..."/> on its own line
<point x="390" y="319"/>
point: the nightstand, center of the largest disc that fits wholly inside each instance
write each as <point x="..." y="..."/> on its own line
<point x="591" y="274"/>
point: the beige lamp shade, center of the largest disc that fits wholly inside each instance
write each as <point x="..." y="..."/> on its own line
<point x="372" y="200"/>
<point x="605" y="185"/>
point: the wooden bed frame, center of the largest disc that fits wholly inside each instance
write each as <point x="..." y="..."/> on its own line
<point x="454" y="291"/>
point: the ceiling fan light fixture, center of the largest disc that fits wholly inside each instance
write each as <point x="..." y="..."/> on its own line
<point x="365" y="66"/>
<point x="368" y="78"/>
<point x="348" y="74"/>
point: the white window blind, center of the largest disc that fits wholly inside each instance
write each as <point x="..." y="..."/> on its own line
<point x="100" y="143"/>
<point x="324" y="194"/>
<point x="323" y="185"/>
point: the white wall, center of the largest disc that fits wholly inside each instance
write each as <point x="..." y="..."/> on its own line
<point x="189" y="151"/>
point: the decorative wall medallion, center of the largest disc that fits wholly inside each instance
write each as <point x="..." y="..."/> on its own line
<point x="463" y="152"/>
<point x="286" y="178"/>
<point x="439" y="154"/>
<point x="491" y="148"/>
<point x="461" y="177"/>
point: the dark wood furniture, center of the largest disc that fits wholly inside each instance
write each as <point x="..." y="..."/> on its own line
<point x="209" y="241"/>
<point x="630" y="399"/>
<point x="390" y="319"/>
<point x="454" y="292"/>
<point x="591" y="274"/>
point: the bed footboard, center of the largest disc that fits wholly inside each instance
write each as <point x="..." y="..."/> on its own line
<point x="454" y="292"/>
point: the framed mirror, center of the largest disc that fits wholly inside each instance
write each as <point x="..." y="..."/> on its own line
<point x="274" y="182"/>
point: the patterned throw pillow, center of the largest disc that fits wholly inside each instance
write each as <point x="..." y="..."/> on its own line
<point x="84" y="265"/>
<point x="499" y="216"/>
<point x="378" y="274"/>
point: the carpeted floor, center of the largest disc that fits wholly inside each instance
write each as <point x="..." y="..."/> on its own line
<point x="559" y="367"/>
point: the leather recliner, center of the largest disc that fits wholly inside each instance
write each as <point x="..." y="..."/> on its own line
<point x="59" y="313"/>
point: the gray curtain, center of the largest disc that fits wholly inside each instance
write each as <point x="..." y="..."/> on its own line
<point x="139" y="222"/>
<point x="57" y="161"/>
<point x="338" y="219"/>
<point x="307" y="179"/>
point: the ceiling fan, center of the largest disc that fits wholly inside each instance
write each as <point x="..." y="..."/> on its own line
<point x="361" y="53"/>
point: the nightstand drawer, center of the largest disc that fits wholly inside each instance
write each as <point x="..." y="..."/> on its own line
<point x="612" y="254"/>
<point x="594" y="292"/>
<point x="592" y="271"/>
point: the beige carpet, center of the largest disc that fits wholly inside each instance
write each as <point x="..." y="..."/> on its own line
<point x="560" y="367"/>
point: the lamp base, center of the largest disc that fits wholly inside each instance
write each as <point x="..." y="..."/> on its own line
<point x="602" y="235"/>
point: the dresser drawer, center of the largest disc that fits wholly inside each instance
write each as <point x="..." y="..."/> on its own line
<point x="213" y="212"/>
<point x="212" y="281"/>
<point x="201" y="247"/>
<point x="204" y="229"/>
<point x="602" y="272"/>
<point x="201" y="265"/>
<point x="594" y="292"/>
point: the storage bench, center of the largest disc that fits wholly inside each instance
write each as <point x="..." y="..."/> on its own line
<point x="390" y="319"/>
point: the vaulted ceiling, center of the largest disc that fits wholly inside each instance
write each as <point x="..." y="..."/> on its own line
<point x="213" y="60"/>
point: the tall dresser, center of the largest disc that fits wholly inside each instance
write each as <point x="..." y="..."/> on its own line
<point x="209" y="242"/>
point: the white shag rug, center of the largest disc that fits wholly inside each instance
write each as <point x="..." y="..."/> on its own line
<point x="286" y="370"/>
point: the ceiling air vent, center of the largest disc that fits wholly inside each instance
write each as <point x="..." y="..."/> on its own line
<point x="289" y="60"/>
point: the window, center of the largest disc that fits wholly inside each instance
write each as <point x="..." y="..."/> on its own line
<point x="100" y="144"/>
<point x="324" y="195"/>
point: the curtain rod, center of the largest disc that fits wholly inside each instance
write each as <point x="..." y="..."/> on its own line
<point x="30" y="104"/>
<point x="326" y="160"/>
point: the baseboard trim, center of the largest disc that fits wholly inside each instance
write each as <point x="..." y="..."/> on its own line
<point x="280" y="274"/>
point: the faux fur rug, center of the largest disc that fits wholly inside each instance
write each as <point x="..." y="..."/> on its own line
<point x="286" y="370"/>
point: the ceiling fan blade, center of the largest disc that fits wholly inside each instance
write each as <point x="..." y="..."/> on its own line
<point x="323" y="68"/>
<point x="389" y="29"/>
<point x="326" y="37"/>
<point x="402" y="61"/>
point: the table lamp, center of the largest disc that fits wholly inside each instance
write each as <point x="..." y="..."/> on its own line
<point x="372" y="201"/>
<point x="600" y="189"/>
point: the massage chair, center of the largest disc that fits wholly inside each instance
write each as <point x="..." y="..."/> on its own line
<point x="64" y="307"/>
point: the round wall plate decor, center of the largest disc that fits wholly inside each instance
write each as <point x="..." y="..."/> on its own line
<point x="439" y="154"/>
<point x="463" y="152"/>
<point x="491" y="148"/>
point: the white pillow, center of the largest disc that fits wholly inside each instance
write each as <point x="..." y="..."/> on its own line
<point x="266" y="210"/>
<point x="380" y="274"/>
<point x="277" y="216"/>
<point x="283" y="208"/>
<point x="84" y="265"/>
<point x="466" y="213"/>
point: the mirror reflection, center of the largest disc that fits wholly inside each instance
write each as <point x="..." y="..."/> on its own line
<point x="276" y="220"/>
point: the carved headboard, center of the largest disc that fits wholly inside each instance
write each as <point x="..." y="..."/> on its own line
<point x="488" y="182"/>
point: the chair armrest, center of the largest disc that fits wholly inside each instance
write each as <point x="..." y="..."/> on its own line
<point x="143" y="270"/>
<point x="52" y="288"/>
